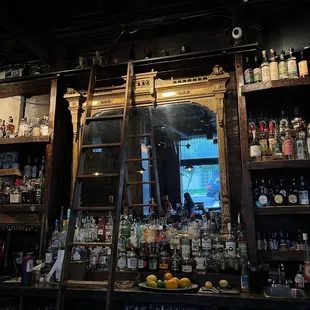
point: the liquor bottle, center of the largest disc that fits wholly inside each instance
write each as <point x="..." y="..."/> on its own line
<point x="283" y="191"/>
<point x="148" y="53"/>
<point x="255" y="150"/>
<point x="303" y="65"/>
<point x="265" y="68"/>
<point x="153" y="258"/>
<point x="274" y="69"/>
<point x="164" y="257"/>
<point x="187" y="264"/>
<point x="283" y="74"/>
<point x="244" y="276"/>
<point x="283" y="124"/>
<point x="299" y="244"/>
<point x="175" y="260"/>
<point x="97" y="59"/>
<point x="15" y="194"/>
<point x="293" y="194"/>
<point x="2" y="129"/>
<point x="101" y="230"/>
<point x="248" y="72"/>
<point x="303" y="196"/>
<point x="300" y="144"/>
<point x="257" y="72"/>
<point x="272" y="140"/>
<point x="278" y="144"/>
<point x="292" y="65"/>
<point x="263" y="198"/>
<point x="109" y="228"/>
<point x="288" y="146"/>
<point x="230" y="243"/>
<point x="259" y="244"/>
<point x="241" y="239"/>
<point x="201" y="262"/>
<point x="132" y="261"/>
<point x="306" y="262"/>
<point x="308" y="140"/>
<point x="278" y="198"/>
<point x="121" y="257"/>
<point x="142" y="258"/>
<point x="299" y="278"/>
<point x="10" y="128"/>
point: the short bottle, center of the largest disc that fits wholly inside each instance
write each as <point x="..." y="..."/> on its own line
<point x="255" y="150"/>
<point x="288" y="146"/>
<point x="303" y="195"/>
<point x="257" y="71"/>
<point x="303" y="65"/>
<point x="248" y="72"/>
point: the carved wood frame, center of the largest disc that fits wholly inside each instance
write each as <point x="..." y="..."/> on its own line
<point x="208" y="91"/>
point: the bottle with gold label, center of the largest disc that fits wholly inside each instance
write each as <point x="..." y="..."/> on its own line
<point x="278" y="198"/>
<point x="303" y="65"/>
<point x="282" y="67"/>
<point x="272" y="138"/>
<point x="292" y="197"/>
<point x="288" y="146"/>
<point x="274" y="69"/>
<point x="265" y="68"/>
<point x="292" y="65"/>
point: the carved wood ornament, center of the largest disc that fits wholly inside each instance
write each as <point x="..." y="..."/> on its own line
<point x="207" y="91"/>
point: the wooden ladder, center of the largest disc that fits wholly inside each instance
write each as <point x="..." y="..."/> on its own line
<point x="87" y="120"/>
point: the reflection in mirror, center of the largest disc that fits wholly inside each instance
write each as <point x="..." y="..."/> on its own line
<point x="185" y="145"/>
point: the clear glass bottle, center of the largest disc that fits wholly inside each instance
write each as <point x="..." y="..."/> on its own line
<point x="230" y="242"/>
<point x="121" y="257"/>
<point x="101" y="230"/>
<point x="257" y="71"/>
<point x="274" y="69"/>
<point x="292" y="65"/>
<point x="44" y="126"/>
<point x="300" y="145"/>
<point x="21" y="129"/>
<point x="299" y="278"/>
<point x="36" y="131"/>
<point x="265" y="68"/>
<point x="132" y="260"/>
<point x="248" y="72"/>
<point x="255" y="150"/>
<point x="288" y="146"/>
<point x="303" y="65"/>
<point x="201" y="262"/>
<point x="303" y="196"/>
<point x="10" y="128"/>
<point x="282" y="67"/>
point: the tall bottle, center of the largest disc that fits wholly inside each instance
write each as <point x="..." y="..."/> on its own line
<point x="230" y="243"/>
<point x="306" y="262"/>
<point x="303" y="195"/>
<point x="303" y="65"/>
<point x="308" y="141"/>
<point x="244" y="276"/>
<point x="288" y="146"/>
<point x="292" y="65"/>
<point x="255" y="150"/>
<point x="293" y="194"/>
<point x="10" y="128"/>
<point x="265" y="68"/>
<point x="248" y="72"/>
<point x="241" y="239"/>
<point x="257" y="71"/>
<point x="274" y="69"/>
<point x="300" y="144"/>
<point x="282" y="67"/>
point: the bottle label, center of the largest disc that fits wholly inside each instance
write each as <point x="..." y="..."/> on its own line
<point x="272" y="145"/>
<point x="243" y="250"/>
<point x="132" y="263"/>
<point x="255" y="151"/>
<point x="278" y="199"/>
<point x="206" y="244"/>
<point x="100" y="232"/>
<point x="187" y="268"/>
<point x="274" y="71"/>
<point x="29" y="267"/>
<point x="245" y="282"/>
<point x="76" y="256"/>
<point x="257" y="74"/>
<point x="186" y="249"/>
<point x="175" y="266"/>
<point x="288" y="147"/>
<point x="49" y="258"/>
<point x="292" y="68"/>
<point x="195" y="245"/>
<point x="231" y="247"/>
<point x="142" y="263"/>
<point x="265" y="74"/>
<point x="153" y="264"/>
<point x="263" y="200"/>
<point x="200" y="263"/>
<point x="283" y="70"/>
<point x="248" y="76"/>
<point x="303" y="197"/>
<point x="303" y="68"/>
<point x="300" y="150"/>
<point x="292" y="198"/>
<point x="163" y="266"/>
<point x="121" y="263"/>
<point x="263" y="144"/>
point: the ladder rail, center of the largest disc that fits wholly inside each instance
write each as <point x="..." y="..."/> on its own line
<point x="119" y="200"/>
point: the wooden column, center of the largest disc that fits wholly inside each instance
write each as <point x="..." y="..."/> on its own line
<point x="76" y="109"/>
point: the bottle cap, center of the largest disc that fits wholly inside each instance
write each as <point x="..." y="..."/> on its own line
<point x="305" y="237"/>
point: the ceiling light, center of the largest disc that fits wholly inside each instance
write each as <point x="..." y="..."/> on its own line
<point x="189" y="167"/>
<point x="141" y="171"/>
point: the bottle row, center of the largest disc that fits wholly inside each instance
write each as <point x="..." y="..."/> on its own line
<point x="280" y="241"/>
<point x="281" y="138"/>
<point x="269" y="194"/>
<point x="34" y="128"/>
<point x="134" y="306"/>
<point x="275" y="68"/>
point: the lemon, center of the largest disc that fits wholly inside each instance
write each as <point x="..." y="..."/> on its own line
<point x="151" y="278"/>
<point x="208" y="285"/>
<point x="151" y="284"/>
<point x="185" y="282"/>
<point x="223" y="283"/>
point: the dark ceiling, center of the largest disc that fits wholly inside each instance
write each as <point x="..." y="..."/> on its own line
<point x="28" y="32"/>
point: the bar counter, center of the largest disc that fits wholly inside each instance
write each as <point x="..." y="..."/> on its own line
<point x="246" y="300"/>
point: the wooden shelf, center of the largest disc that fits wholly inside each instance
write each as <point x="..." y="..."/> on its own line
<point x="285" y="256"/>
<point x="9" y="172"/>
<point x="278" y="164"/>
<point x="20" y="140"/>
<point x="22" y="208"/>
<point x="275" y="84"/>
<point x="102" y="284"/>
<point x="290" y="210"/>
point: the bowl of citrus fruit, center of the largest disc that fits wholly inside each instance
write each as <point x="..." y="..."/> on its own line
<point x="169" y="283"/>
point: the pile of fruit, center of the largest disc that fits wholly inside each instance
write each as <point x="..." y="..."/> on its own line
<point x="169" y="282"/>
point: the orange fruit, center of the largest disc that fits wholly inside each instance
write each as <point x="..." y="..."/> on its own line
<point x="168" y="276"/>
<point x="171" y="284"/>
<point x="185" y="282"/>
<point x="175" y="278"/>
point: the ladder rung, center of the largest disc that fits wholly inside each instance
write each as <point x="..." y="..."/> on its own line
<point x="135" y="183"/>
<point x="84" y="283"/>
<point x="140" y="135"/>
<point x="99" y="146"/>
<point x="97" y="175"/>
<point x="94" y="209"/>
<point x="106" y="117"/>
<point x="142" y="204"/>
<point x="138" y="159"/>
<point x="71" y="244"/>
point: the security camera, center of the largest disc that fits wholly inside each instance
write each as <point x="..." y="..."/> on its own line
<point x="237" y="35"/>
